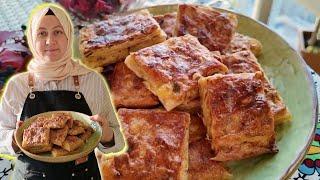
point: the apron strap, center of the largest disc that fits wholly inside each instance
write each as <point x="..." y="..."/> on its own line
<point x="31" y="85"/>
<point x="77" y="85"/>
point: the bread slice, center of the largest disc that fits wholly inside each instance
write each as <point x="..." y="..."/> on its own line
<point x="170" y="70"/>
<point x="158" y="146"/>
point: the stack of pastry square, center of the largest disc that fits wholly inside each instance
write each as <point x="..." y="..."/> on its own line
<point x="113" y="39"/>
<point x="60" y="134"/>
<point x="207" y="74"/>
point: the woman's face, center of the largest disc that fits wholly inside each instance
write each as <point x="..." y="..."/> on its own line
<point x="51" y="42"/>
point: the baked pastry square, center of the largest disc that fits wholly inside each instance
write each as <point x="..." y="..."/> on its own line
<point x="128" y="89"/>
<point x="57" y="136"/>
<point x="76" y="130"/>
<point x="201" y="167"/>
<point x="246" y="62"/>
<point x="58" y="151"/>
<point x="58" y="120"/>
<point x="158" y="146"/>
<point x="242" y="42"/>
<point x="40" y="122"/>
<point x="36" y="139"/>
<point x="214" y="29"/>
<point x="237" y="115"/>
<point x="111" y="40"/>
<point x="72" y="143"/>
<point x="167" y="22"/>
<point x="171" y="69"/>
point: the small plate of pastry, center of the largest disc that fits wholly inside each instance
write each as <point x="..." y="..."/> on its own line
<point x="58" y="136"/>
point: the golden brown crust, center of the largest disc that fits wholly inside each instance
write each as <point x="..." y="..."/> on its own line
<point x="58" y="120"/>
<point x="76" y="130"/>
<point x="242" y="42"/>
<point x="40" y="122"/>
<point x="158" y="146"/>
<point x="167" y="22"/>
<point x="246" y="62"/>
<point x="109" y="41"/>
<point x="128" y="89"/>
<point x="86" y="135"/>
<point x="72" y="143"/>
<point x="69" y="123"/>
<point x="192" y="107"/>
<point x="171" y="69"/>
<point x="237" y="115"/>
<point x="57" y="136"/>
<point x="58" y="151"/>
<point x="214" y="29"/>
<point x="201" y="167"/>
<point x="36" y="139"/>
<point x="197" y="129"/>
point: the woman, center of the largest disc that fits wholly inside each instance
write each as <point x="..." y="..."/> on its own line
<point x="54" y="81"/>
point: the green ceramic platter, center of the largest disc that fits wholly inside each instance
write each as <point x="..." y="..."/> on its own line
<point x="92" y="142"/>
<point x="291" y="77"/>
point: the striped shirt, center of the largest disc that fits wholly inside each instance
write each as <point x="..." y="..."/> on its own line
<point x="92" y="86"/>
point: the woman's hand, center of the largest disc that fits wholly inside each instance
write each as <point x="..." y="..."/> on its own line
<point x="18" y="124"/>
<point x="107" y="132"/>
<point x="14" y="143"/>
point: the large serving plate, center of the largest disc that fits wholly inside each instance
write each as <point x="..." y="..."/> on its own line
<point x="88" y="147"/>
<point x="291" y="77"/>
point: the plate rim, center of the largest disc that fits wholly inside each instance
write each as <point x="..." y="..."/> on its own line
<point x="314" y="119"/>
<point x="59" y="159"/>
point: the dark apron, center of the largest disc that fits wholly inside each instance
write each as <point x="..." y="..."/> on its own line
<point x="43" y="101"/>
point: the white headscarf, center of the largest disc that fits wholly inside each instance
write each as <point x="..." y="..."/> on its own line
<point x="66" y="65"/>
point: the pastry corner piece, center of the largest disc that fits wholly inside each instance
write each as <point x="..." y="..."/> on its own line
<point x="157" y="146"/>
<point x="237" y="116"/>
<point x="201" y="166"/>
<point x="214" y="29"/>
<point x="170" y="69"/>
<point x="167" y="22"/>
<point x="111" y="40"/>
<point x="36" y="139"/>
<point x="245" y="62"/>
<point x="242" y="42"/>
<point x="128" y="89"/>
